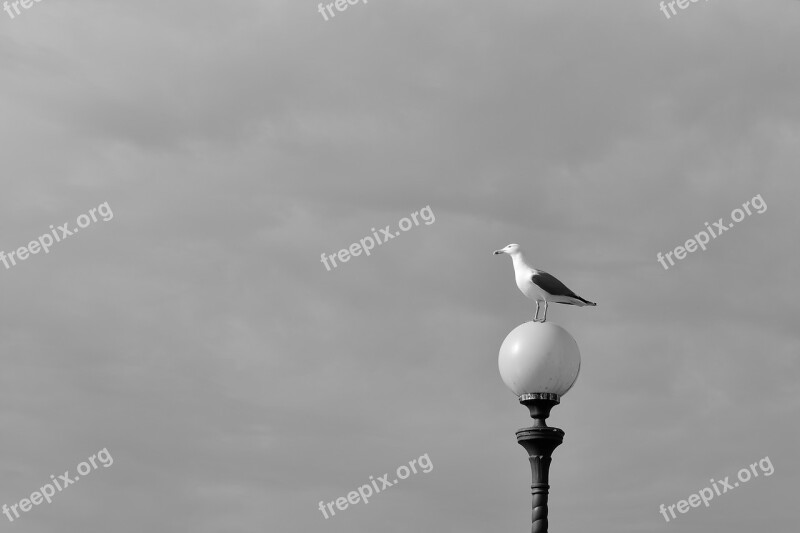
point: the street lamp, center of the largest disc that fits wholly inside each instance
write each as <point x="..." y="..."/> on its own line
<point x="539" y="362"/>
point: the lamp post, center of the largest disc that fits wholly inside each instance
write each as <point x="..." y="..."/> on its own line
<point x="539" y="362"/>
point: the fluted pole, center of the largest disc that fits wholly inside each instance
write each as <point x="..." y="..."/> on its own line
<point x="540" y="441"/>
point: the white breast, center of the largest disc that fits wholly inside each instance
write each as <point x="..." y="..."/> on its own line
<point x="528" y="288"/>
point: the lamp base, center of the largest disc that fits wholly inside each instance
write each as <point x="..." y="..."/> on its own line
<point x="539" y="404"/>
<point x="540" y="441"/>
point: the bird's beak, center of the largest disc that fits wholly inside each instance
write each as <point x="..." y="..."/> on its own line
<point x="498" y="252"/>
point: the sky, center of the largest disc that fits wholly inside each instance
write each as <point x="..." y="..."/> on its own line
<point x="213" y="152"/>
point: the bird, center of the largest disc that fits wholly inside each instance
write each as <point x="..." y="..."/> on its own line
<point x="538" y="285"/>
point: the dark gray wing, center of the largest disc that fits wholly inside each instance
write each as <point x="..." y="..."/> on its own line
<point x="550" y="284"/>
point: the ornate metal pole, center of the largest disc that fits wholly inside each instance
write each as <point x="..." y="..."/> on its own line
<point x="540" y="441"/>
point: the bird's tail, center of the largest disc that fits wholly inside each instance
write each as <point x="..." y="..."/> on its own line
<point x="577" y="300"/>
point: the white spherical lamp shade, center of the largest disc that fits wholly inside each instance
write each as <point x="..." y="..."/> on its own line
<point x="539" y="357"/>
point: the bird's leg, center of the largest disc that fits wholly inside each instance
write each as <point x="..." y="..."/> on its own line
<point x="536" y="314"/>
<point x="544" y="319"/>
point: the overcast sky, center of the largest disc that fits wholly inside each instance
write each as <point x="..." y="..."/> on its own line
<point x="236" y="381"/>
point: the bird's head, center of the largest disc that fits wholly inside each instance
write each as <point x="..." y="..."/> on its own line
<point x="511" y="249"/>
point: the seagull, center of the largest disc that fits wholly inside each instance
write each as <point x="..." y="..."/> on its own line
<point x="539" y="285"/>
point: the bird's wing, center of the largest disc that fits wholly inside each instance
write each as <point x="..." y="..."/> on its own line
<point x="550" y="284"/>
